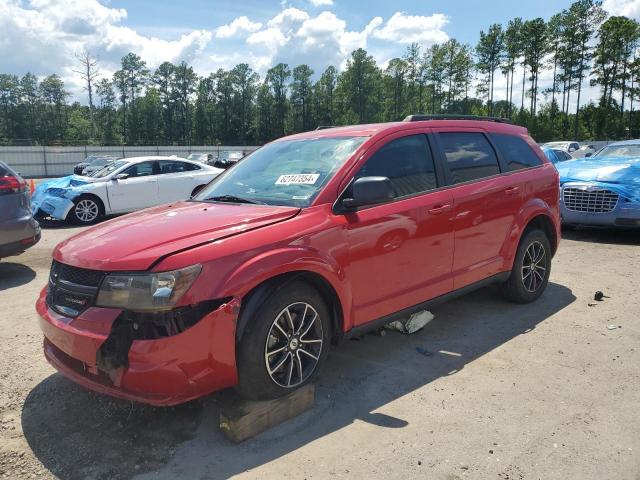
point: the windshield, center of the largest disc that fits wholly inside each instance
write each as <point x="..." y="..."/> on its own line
<point x="286" y="172"/>
<point x="619" y="151"/>
<point x="97" y="162"/>
<point x="109" y="169"/>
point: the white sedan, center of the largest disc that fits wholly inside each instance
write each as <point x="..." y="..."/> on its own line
<point x="122" y="186"/>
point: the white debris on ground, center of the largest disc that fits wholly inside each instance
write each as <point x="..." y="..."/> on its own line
<point x="414" y="323"/>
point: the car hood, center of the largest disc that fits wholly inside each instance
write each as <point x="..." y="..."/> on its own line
<point x="136" y="241"/>
<point x="621" y="175"/>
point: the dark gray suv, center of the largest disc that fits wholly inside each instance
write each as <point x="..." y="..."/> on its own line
<point x="18" y="229"/>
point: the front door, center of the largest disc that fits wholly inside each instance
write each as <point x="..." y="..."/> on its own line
<point x="400" y="252"/>
<point x="139" y="190"/>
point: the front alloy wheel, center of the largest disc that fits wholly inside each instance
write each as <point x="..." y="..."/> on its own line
<point x="285" y="341"/>
<point x="86" y="211"/>
<point x="294" y="345"/>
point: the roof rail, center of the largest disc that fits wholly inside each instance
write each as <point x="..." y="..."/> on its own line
<point x="446" y="116"/>
<point x="324" y="127"/>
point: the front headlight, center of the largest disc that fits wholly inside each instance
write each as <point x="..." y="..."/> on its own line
<point x="148" y="291"/>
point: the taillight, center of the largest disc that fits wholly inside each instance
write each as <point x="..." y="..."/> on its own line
<point x="11" y="184"/>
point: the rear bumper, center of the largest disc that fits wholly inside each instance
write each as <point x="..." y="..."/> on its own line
<point x="18" y="234"/>
<point x="162" y="372"/>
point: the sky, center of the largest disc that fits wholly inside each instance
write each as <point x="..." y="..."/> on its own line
<point x="42" y="36"/>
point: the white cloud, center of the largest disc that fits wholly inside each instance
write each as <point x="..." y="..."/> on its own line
<point x="628" y="8"/>
<point x="321" y="3"/>
<point x="403" y="28"/>
<point x="237" y="26"/>
<point x="41" y="36"/>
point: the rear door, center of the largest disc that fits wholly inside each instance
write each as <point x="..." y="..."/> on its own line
<point x="176" y="180"/>
<point x="139" y="190"/>
<point x="485" y="203"/>
<point x="400" y="252"/>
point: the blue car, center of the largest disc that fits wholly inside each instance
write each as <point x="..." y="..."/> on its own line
<point x="602" y="190"/>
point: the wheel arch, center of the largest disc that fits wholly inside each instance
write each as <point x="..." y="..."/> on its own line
<point x="258" y="294"/>
<point x="543" y="222"/>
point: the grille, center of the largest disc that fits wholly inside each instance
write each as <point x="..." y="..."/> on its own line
<point x="592" y="201"/>
<point x="79" y="276"/>
<point x="72" y="290"/>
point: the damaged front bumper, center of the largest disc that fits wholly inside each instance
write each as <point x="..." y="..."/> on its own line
<point x="163" y="371"/>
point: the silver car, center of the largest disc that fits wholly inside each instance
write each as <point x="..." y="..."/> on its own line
<point x="18" y="229"/>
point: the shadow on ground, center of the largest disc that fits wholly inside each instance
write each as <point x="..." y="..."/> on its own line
<point x="14" y="275"/>
<point x="78" y="434"/>
<point x="602" y="235"/>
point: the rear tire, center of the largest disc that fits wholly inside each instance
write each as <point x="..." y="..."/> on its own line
<point x="284" y="344"/>
<point x="87" y="210"/>
<point x="531" y="268"/>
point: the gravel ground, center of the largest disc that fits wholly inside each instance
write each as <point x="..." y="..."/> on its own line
<point x="509" y="392"/>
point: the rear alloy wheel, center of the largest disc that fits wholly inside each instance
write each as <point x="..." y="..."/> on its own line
<point x="531" y="267"/>
<point x="86" y="211"/>
<point x="284" y="343"/>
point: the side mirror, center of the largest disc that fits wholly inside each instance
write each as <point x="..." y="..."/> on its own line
<point x="121" y="176"/>
<point x="588" y="154"/>
<point x="369" y="191"/>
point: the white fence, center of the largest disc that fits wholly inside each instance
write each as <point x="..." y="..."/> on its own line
<point x="34" y="162"/>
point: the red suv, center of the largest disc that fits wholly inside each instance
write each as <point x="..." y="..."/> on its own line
<point x="312" y="238"/>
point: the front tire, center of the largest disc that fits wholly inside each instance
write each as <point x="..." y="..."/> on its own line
<point x="285" y="342"/>
<point x="87" y="210"/>
<point x="531" y="268"/>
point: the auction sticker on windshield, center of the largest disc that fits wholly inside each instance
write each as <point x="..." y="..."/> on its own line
<point x="298" y="179"/>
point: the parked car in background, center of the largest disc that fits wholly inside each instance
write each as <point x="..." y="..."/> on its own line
<point x="122" y="186"/>
<point x="584" y="151"/>
<point x="312" y="238"/>
<point x="18" y="229"/>
<point x="556" y="155"/>
<point x="92" y="164"/>
<point x="228" y="159"/>
<point x="568" y="147"/>
<point x="603" y="190"/>
<point x="207" y="158"/>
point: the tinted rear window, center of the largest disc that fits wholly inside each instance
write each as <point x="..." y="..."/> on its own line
<point x="516" y="152"/>
<point x="469" y="156"/>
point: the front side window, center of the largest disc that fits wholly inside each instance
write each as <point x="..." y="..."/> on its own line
<point x="469" y="156"/>
<point x="407" y="162"/>
<point x="284" y="172"/>
<point x="142" y="169"/>
<point x="516" y="152"/>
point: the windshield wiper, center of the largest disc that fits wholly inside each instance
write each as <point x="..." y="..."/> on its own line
<point x="234" y="199"/>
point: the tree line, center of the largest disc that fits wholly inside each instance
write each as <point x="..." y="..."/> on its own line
<point x="578" y="46"/>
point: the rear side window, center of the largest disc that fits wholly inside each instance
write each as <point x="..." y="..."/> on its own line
<point x="407" y="162"/>
<point x="516" y="152"/>
<point x="168" y="166"/>
<point x="469" y="156"/>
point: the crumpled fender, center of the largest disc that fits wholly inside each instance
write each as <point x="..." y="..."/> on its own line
<point x="55" y="197"/>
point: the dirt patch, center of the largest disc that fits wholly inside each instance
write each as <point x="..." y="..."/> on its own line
<point x="509" y="391"/>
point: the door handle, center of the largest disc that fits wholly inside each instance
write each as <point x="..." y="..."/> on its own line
<point x="511" y="190"/>
<point x="438" y="209"/>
